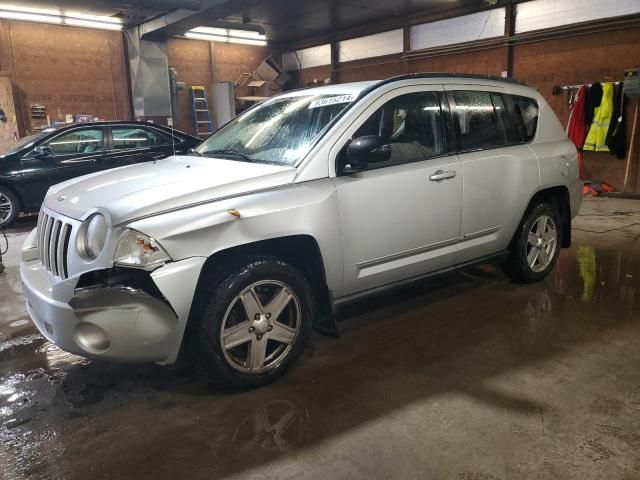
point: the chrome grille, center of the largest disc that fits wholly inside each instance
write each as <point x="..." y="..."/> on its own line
<point x="53" y="243"/>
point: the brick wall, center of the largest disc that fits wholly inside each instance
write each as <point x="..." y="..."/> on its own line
<point x="202" y="63"/>
<point x="77" y="69"/>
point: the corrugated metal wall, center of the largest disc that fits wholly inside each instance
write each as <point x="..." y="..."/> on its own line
<point x="467" y="28"/>
<point x="540" y="14"/>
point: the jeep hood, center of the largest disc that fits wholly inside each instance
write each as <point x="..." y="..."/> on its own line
<point x="148" y="188"/>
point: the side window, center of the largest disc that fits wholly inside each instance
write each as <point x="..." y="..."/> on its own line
<point x="410" y="124"/>
<point x="526" y="111"/>
<point x="87" y="140"/>
<point x="504" y="119"/>
<point x="475" y="121"/>
<point x="137" y="137"/>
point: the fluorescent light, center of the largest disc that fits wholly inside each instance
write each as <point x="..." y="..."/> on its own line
<point x="227" y="35"/>
<point x="59" y="17"/>
<point x="30" y="17"/>
<point x="75" y="22"/>
<point x="228" y="32"/>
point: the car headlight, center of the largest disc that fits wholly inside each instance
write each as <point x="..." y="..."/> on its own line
<point x="93" y="237"/>
<point x="138" y="250"/>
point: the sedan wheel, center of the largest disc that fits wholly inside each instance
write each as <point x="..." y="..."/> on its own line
<point x="260" y="326"/>
<point x="8" y="207"/>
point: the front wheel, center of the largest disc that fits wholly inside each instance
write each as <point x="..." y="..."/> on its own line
<point x="9" y="207"/>
<point x="254" y="324"/>
<point x="536" y="246"/>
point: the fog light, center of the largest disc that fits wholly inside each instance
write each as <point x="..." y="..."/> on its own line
<point x="91" y="338"/>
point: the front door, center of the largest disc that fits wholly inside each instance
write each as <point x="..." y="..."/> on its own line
<point x="401" y="219"/>
<point x="71" y="154"/>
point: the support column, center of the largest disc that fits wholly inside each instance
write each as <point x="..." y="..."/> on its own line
<point x="335" y="61"/>
<point x="509" y="31"/>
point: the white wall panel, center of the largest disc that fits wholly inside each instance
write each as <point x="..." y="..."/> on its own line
<point x="540" y="14"/>
<point x="376" y="45"/>
<point x="309" y="57"/>
<point x="466" y="28"/>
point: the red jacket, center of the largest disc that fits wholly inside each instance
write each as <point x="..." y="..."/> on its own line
<point x="577" y="128"/>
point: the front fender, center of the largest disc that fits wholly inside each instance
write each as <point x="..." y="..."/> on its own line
<point x="308" y="208"/>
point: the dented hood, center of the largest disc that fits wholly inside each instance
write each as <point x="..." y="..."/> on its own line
<point x="149" y="188"/>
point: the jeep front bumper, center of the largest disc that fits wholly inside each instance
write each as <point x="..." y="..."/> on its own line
<point x="113" y="322"/>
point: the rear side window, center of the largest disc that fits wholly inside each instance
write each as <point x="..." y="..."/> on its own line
<point x="504" y="119"/>
<point x="475" y="121"/>
<point x="136" y="137"/>
<point x="526" y="112"/>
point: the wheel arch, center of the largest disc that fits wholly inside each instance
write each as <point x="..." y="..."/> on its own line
<point x="301" y="251"/>
<point x="560" y="197"/>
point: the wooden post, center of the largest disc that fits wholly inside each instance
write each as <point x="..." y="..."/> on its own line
<point x="632" y="145"/>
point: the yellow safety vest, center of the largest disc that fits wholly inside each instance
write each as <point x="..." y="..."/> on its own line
<point x="597" y="138"/>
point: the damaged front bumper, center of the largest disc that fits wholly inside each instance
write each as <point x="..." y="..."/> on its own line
<point x="114" y="315"/>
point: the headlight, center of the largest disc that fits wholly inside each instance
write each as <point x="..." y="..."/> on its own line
<point x="138" y="250"/>
<point x="93" y="236"/>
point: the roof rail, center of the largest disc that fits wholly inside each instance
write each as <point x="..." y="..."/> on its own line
<point x="461" y="76"/>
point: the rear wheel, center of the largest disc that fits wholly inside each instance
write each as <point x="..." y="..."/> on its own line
<point x="536" y="246"/>
<point x="9" y="207"/>
<point x="254" y="324"/>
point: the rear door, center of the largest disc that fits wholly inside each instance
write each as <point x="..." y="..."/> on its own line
<point x="73" y="153"/>
<point x="130" y="144"/>
<point x="499" y="168"/>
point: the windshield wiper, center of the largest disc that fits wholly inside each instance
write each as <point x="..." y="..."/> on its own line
<point x="230" y="153"/>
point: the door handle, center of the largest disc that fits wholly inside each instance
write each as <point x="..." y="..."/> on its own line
<point x="441" y="175"/>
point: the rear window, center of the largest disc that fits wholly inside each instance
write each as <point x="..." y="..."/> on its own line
<point x="526" y="113"/>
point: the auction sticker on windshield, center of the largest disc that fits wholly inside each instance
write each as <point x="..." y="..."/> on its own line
<point x="323" y="102"/>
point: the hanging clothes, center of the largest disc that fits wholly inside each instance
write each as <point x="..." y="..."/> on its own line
<point x="617" y="136"/>
<point x="577" y="127"/>
<point x="597" y="137"/>
<point x="594" y="97"/>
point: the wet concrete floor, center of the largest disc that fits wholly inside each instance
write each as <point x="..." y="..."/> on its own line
<point x="467" y="377"/>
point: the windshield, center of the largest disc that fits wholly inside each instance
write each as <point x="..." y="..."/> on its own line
<point x="26" y="142"/>
<point x="280" y="131"/>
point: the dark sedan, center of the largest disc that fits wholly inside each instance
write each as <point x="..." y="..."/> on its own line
<point x="30" y="166"/>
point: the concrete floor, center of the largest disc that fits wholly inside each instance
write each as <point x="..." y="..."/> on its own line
<point x="467" y="377"/>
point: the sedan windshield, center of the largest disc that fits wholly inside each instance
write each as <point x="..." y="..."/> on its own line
<point x="280" y="131"/>
<point x="26" y="142"/>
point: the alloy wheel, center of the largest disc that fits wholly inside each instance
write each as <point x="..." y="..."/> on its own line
<point x="260" y="326"/>
<point x="542" y="242"/>
<point x="6" y="208"/>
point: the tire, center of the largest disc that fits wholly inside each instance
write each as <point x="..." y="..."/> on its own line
<point x="9" y="207"/>
<point x="531" y="258"/>
<point x="236" y="330"/>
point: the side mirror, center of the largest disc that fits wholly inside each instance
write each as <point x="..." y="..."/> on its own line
<point x="365" y="150"/>
<point x="42" y="151"/>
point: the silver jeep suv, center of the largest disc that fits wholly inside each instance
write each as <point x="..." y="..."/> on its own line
<point x="308" y="200"/>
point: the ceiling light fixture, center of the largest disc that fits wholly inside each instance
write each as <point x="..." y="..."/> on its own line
<point x="227" y="35"/>
<point x="59" y="17"/>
